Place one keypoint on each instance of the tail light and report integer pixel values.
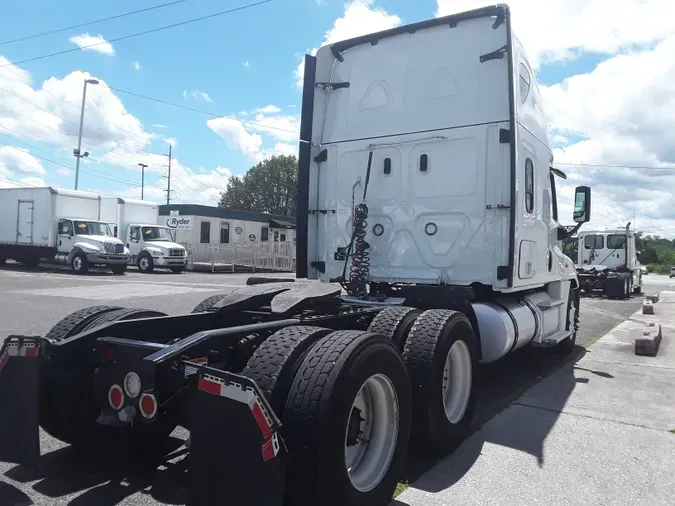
(148, 405)
(115, 397)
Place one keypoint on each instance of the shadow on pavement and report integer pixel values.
(499, 386)
(10, 495)
(65, 472)
(45, 268)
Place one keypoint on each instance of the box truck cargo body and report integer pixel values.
(150, 245)
(57, 226)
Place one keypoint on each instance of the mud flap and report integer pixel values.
(237, 453)
(19, 383)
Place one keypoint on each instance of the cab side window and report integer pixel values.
(65, 227)
(134, 234)
(529, 186)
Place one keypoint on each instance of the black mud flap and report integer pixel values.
(19, 383)
(237, 453)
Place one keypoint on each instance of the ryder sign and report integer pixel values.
(176, 222)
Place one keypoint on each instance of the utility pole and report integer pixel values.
(143, 166)
(168, 181)
(78, 152)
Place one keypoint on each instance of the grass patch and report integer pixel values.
(402, 487)
(672, 431)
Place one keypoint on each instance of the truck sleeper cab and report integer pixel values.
(425, 193)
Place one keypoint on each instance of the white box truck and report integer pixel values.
(57, 226)
(150, 245)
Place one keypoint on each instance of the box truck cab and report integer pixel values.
(150, 245)
(58, 226)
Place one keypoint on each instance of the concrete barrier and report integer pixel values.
(647, 307)
(654, 297)
(648, 341)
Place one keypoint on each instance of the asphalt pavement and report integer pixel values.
(32, 301)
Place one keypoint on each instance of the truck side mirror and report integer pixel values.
(582, 204)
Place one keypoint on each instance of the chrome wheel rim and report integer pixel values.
(372, 433)
(457, 381)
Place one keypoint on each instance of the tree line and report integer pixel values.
(268, 187)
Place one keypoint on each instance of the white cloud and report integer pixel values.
(171, 141)
(246, 64)
(22, 183)
(360, 18)
(236, 136)
(197, 94)
(159, 125)
(137, 65)
(13, 160)
(93, 43)
(268, 109)
(62, 171)
(554, 30)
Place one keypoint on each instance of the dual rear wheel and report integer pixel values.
(350, 402)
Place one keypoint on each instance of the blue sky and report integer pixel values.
(244, 65)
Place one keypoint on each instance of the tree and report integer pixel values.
(268, 187)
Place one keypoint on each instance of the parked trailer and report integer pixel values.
(607, 261)
(298, 393)
(59, 227)
(150, 245)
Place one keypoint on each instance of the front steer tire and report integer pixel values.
(119, 269)
(572, 323)
(320, 416)
(145, 263)
(79, 263)
(444, 397)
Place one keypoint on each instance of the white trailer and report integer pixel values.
(607, 260)
(59, 227)
(150, 245)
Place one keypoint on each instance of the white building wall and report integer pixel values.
(240, 231)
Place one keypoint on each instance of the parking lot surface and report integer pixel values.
(31, 302)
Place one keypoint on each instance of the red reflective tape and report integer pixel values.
(3, 360)
(268, 452)
(208, 386)
(262, 421)
(31, 351)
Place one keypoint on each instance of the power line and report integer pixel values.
(83, 142)
(637, 167)
(20, 97)
(138, 34)
(201, 111)
(118, 16)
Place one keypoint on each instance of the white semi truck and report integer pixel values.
(424, 190)
(150, 245)
(607, 260)
(57, 226)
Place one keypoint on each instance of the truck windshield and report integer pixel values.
(156, 234)
(92, 228)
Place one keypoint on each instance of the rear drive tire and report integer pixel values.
(274, 364)
(177, 270)
(79, 263)
(347, 422)
(71, 324)
(207, 304)
(119, 269)
(441, 356)
(567, 345)
(145, 263)
(395, 323)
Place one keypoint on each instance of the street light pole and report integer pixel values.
(143, 166)
(77, 152)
